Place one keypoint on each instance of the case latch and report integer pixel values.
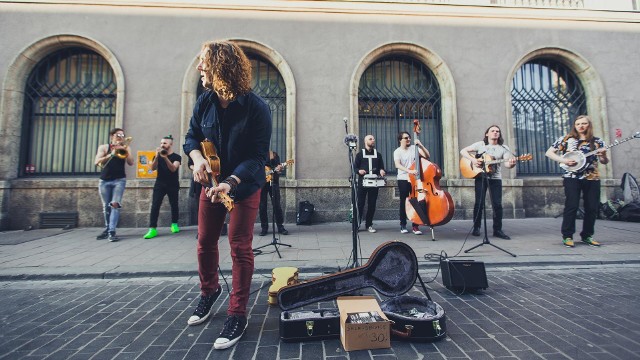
(436, 327)
(310, 328)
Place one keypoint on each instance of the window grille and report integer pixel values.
(69, 109)
(393, 92)
(267, 82)
(546, 97)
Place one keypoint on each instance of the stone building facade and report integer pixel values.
(322, 52)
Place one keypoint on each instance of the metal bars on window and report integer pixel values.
(267, 82)
(546, 97)
(393, 92)
(69, 108)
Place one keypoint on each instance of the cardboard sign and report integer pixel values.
(145, 158)
(370, 334)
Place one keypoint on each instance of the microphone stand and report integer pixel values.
(483, 205)
(355, 218)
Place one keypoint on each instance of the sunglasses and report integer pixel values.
(406, 138)
(119, 135)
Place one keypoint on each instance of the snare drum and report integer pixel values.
(372, 180)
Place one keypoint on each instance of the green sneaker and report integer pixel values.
(568, 242)
(589, 241)
(175, 228)
(151, 233)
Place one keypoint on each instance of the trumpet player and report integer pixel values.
(167, 183)
(112, 157)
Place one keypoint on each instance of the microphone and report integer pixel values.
(351, 141)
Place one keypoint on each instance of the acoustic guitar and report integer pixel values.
(581, 158)
(281, 277)
(469, 169)
(392, 270)
(269, 171)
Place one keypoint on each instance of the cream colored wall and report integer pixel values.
(475, 53)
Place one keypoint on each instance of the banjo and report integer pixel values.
(581, 158)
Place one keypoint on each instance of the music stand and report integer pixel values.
(274, 239)
(483, 205)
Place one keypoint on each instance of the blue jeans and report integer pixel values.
(111, 195)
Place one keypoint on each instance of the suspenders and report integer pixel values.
(370, 158)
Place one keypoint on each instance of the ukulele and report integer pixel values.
(471, 171)
(269, 172)
(209, 153)
(281, 277)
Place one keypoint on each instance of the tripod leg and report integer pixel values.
(433, 237)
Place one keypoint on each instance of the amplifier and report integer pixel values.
(463, 275)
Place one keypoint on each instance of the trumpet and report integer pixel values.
(119, 153)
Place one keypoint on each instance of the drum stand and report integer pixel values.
(274, 239)
(485, 240)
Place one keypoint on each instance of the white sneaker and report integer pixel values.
(371, 229)
(417, 231)
(403, 230)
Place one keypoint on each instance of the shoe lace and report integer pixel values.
(203, 305)
(230, 327)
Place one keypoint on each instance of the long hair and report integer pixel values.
(486, 137)
(574, 133)
(228, 71)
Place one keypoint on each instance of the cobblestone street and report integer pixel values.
(526, 313)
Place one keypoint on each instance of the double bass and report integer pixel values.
(427, 203)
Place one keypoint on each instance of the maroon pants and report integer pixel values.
(240, 232)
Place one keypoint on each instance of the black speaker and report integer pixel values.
(463, 275)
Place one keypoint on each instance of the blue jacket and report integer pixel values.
(241, 137)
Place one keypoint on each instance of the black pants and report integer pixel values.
(591, 195)
(159, 191)
(371, 195)
(274, 190)
(404, 188)
(495, 191)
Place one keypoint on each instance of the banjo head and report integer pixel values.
(576, 156)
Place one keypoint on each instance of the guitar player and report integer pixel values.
(493, 145)
(272, 188)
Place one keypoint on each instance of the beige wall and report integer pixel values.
(155, 48)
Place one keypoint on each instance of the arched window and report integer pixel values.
(546, 97)
(70, 106)
(267, 82)
(393, 92)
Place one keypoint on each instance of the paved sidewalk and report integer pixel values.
(51, 254)
(549, 302)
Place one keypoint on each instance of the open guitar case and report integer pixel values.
(392, 271)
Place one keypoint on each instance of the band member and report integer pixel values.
(368, 161)
(272, 188)
(493, 145)
(404, 157)
(112, 157)
(586, 181)
(238, 123)
(166, 162)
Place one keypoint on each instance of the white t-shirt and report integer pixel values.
(406, 158)
(497, 151)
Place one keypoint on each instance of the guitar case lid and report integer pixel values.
(391, 270)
